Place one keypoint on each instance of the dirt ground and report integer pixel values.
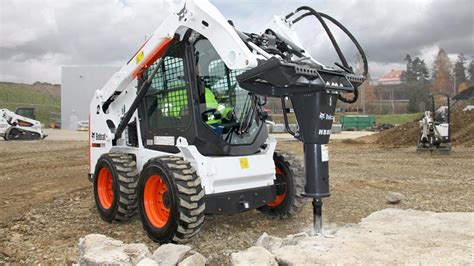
(47, 203)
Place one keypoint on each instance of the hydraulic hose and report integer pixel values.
(328, 32)
(345, 65)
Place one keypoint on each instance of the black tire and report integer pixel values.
(184, 200)
(293, 185)
(124, 174)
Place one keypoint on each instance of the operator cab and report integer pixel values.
(28, 112)
(196, 96)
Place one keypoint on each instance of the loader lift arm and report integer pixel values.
(200, 16)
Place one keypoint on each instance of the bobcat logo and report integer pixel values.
(98, 136)
(182, 12)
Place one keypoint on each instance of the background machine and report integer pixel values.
(435, 126)
(180, 130)
(15, 126)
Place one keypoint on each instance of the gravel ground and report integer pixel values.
(47, 202)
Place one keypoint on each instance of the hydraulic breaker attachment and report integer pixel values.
(313, 92)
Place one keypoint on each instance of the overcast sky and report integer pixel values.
(37, 37)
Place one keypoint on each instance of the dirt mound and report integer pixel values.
(462, 132)
(52, 89)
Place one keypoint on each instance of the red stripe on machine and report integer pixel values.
(150, 59)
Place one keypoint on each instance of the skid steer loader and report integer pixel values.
(179, 131)
(17, 127)
(435, 127)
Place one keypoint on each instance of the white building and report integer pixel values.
(78, 85)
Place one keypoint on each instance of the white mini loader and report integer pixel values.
(180, 131)
(17, 127)
(435, 127)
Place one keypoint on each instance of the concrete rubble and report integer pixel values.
(253, 256)
(96, 249)
(393, 197)
(390, 236)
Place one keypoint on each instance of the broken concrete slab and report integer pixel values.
(97, 249)
(253, 256)
(194, 260)
(390, 236)
(170, 254)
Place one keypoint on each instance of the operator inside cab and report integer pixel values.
(214, 113)
(218, 112)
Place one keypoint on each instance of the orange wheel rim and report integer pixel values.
(279, 197)
(105, 188)
(157, 201)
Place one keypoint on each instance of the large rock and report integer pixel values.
(147, 262)
(137, 252)
(304, 253)
(194, 260)
(170, 254)
(393, 197)
(253, 256)
(390, 236)
(269, 242)
(96, 249)
(291, 240)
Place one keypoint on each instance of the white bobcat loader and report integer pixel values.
(16, 127)
(179, 131)
(435, 127)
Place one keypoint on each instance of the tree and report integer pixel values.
(410, 75)
(442, 73)
(420, 71)
(470, 71)
(460, 71)
(418, 99)
(366, 90)
(416, 70)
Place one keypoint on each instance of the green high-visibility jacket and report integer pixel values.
(177, 100)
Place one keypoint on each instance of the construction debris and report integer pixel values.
(393, 197)
(253, 256)
(419, 237)
(97, 249)
(390, 236)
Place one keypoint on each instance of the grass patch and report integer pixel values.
(397, 119)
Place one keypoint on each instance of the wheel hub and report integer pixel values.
(157, 201)
(167, 200)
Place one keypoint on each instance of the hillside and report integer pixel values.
(44, 97)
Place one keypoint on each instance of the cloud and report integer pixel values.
(37, 37)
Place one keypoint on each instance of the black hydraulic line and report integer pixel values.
(285, 118)
(347, 32)
(140, 95)
(328, 31)
(344, 65)
(354, 98)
